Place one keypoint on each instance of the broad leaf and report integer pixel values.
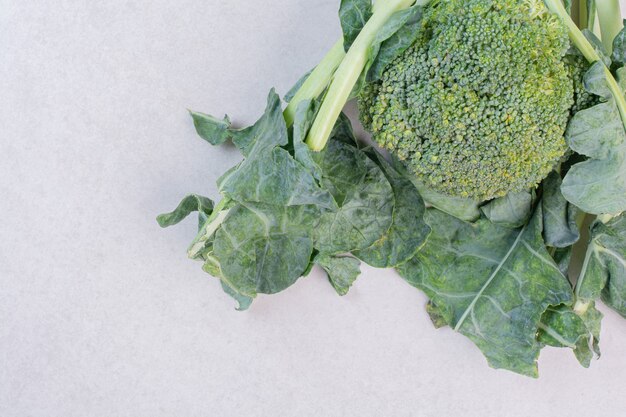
(408, 231)
(604, 268)
(342, 271)
(243, 301)
(619, 47)
(491, 283)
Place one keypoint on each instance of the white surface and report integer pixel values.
(101, 314)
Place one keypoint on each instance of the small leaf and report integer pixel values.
(189, 204)
(559, 216)
(513, 210)
(491, 283)
(210, 128)
(342, 271)
(353, 15)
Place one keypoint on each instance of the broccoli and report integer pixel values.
(478, 105)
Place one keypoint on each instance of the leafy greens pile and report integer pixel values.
(496, 161)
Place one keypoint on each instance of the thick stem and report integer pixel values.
(610, 18)
(317, 81)
(348, 73)
(583, 45)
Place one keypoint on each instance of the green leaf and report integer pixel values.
(398, 34)
(189, 204)
(604, 268)
(210, 128)
(435, 315)
(353, 15)
(408, 231)
(491, 283)
(269, 174)
(559, 216)
(305, 115)
(619, 47)
(513, 210)
(342, 271)
(562, 257)
(597, 185)
(597, 45)
(364, 196)
(561, 327)
(263, 248)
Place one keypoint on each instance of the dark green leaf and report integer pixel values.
(559, 216)
(189, 204)
(408, 231)
(562, 257)
(342, 271)
(364, 195)
(513, 210)
(491, 283)
(353, 15)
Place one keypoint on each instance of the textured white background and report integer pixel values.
(101, 314)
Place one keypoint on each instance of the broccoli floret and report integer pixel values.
(478, 105)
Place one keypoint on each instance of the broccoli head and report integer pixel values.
(478, 105)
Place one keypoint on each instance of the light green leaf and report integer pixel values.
(512, 210)
(353, 15)
(491, 283)
(408, 231)
(364, 196)
(263, 248)
(189, 204)
(604, 268)
(559, 216)
(342, 271)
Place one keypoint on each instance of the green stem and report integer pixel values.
(610, 18)
(317, 81)
(585, 47)
(348, 73)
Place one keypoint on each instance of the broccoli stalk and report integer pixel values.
(588, 51)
